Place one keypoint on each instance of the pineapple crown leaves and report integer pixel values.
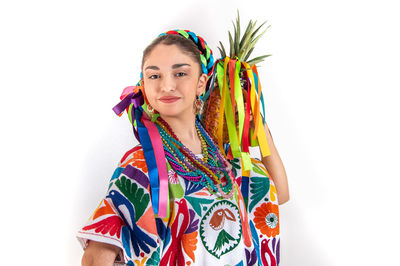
(242, 47)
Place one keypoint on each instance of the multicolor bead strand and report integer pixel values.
(212, 148)
(200, 171)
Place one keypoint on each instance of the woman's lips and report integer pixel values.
(169, 99)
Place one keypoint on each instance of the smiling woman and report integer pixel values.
(175, 199)
(172, 80)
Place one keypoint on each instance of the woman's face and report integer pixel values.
(171, 81)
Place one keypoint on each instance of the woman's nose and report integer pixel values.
(168, 84)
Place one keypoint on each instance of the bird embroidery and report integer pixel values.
(139, 239)
(218, 219)
(174, 256)
(264, 250)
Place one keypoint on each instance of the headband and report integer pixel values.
(206, 54)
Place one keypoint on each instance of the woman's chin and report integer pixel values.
(170, 115)
(175, 114)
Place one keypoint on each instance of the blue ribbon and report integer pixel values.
(143, 137)
(149, 157)
(262, 97)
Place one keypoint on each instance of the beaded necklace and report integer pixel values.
(211, 171)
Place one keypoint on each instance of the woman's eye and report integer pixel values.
(181, 74)
(154, 76)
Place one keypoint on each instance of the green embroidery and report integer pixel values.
(175, 188)
(258, 170)
(176, 191)
(223, 220)
(197, 203)
(134, 194)
(235, 166)
(223, 238)
(259, 187)
(155, 258)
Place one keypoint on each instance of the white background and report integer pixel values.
(331, 91)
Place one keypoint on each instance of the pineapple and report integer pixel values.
(240, 49)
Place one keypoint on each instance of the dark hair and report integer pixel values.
(187, 46)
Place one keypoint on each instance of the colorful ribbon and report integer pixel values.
(147, 134)
(161, 165)
(241, 136)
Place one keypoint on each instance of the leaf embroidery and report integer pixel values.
(259, 187)
(223, 238)
(189, 242)
(258, 170)
(135, 195)
(197, 203)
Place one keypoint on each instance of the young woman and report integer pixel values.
(174, 199)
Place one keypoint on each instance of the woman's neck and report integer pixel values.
(185, 130)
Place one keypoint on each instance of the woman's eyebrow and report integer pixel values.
(152, 67)
(179, 65)
(175, 66)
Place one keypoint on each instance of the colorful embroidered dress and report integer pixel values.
(202, 229)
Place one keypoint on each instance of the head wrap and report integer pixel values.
(132, 100)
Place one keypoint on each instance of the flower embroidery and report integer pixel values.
(271, 220)
(267, 219)
(173, 177)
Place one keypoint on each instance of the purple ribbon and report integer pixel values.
(136, 98)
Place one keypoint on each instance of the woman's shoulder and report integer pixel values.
(132, 165)
(134, 153)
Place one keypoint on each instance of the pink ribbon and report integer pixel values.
(161, 165)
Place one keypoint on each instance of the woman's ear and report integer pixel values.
(201, 85)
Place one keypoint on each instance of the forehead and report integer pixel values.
(167, 55)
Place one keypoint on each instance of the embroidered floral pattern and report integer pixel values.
(267, 219)
(201, 228)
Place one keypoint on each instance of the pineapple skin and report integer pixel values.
(210, 117)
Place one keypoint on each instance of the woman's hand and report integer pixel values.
(99, 254)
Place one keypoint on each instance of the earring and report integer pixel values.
(150, 110)
(152, 113)
(198, 106)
